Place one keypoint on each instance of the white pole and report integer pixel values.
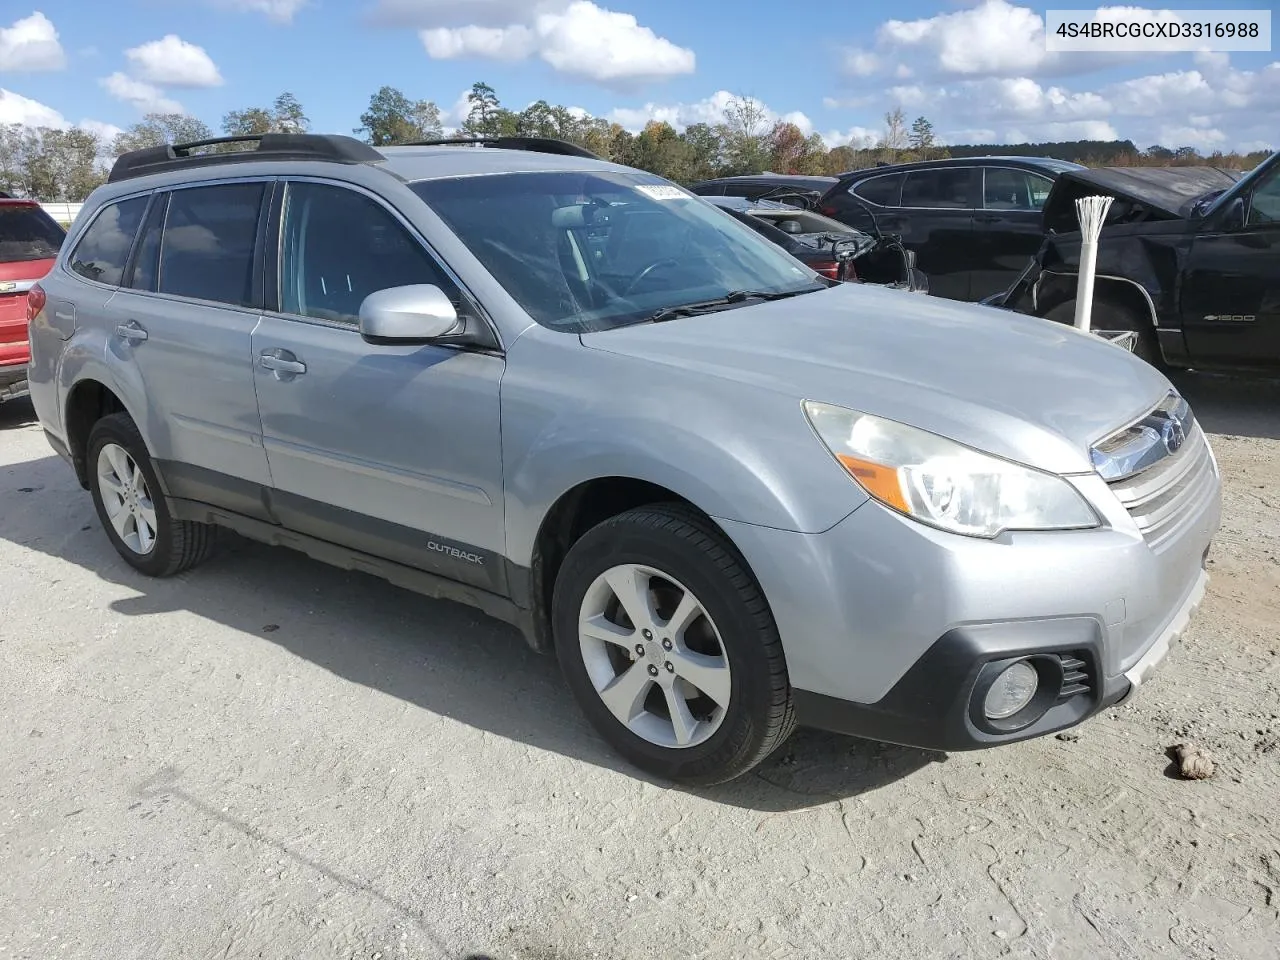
(1091, 211)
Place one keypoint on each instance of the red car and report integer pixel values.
(29, 243)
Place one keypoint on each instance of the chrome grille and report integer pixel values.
(1170, 490)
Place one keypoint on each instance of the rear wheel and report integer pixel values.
(669, 647)
(126, 494)
(1109, 317)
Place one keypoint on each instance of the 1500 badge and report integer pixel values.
(1232, 317)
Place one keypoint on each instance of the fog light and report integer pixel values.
(1012, 691)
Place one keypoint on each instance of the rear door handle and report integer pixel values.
(131, 331)
(282, 362)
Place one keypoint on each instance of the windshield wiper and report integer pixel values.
(733, 298)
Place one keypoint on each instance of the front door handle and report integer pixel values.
(282, 363)
(131, 331)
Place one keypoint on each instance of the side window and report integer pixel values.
(146, 261)
(1007, 189)
(1265, 205)
(339, 246)
(938, 188)
(207, 248)
(102, 251)
(883, 191)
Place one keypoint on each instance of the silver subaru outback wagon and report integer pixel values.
(731, 496)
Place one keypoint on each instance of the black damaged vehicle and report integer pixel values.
(1189, 260)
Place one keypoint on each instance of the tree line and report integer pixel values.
(55, 164)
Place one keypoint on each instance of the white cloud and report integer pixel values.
(453, 13)
(709, 110)
(146, 97)
(282, 11)
(854, 136)
(994, 37)
(580, 39)
(173, 61)
(15, 108)
(488, 43)
(860, 63)
(1178, 108)
(31, 44)
(981, 73)
(107, 132)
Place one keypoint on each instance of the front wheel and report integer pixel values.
(670, 648)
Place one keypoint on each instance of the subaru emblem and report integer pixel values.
(1173, 433)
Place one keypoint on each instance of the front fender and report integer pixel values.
(736, 453)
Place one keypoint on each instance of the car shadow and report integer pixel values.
(1231, 405)
(17, 412)
(440, 656)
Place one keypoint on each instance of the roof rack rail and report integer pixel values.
(534, 144)
(270, 146)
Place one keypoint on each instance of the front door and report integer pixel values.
(1230, 289)
(390, 450)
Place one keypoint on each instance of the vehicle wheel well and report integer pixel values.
(576, 512)
(88, 403)
(1118, 292)
(1127, 296)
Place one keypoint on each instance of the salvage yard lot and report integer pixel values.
(270, 757)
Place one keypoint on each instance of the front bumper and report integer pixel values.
(932, 706)
(887, 623)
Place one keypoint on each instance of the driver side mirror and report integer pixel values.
(418, 313)
(1232, 216)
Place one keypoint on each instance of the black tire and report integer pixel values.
(179, 544)
(1114, 317)
(684, 545)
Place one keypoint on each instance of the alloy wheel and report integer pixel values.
(127, 499)
(654, 656)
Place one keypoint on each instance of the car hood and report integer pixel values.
(1023, 388)
(1166, 192)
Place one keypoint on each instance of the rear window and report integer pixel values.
(949, 188)
(206, 252)
(28, 233)
(101, 253)
(885, 191)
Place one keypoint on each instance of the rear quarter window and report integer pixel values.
(884, 191)
(102, 251)
(28, 233)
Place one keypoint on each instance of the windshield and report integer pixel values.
(28, 233)
(587, 250)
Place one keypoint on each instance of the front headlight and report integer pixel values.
(943, 483)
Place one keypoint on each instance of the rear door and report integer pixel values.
(388, 449)
(184, 315)
(1007, 229)
(1230, 288)
(935, 220)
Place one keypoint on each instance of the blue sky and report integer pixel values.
(976, 68)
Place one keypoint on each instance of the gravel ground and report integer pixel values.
(270, 758)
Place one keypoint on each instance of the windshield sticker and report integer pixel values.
(662, 191)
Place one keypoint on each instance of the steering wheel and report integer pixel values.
(650, 268)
